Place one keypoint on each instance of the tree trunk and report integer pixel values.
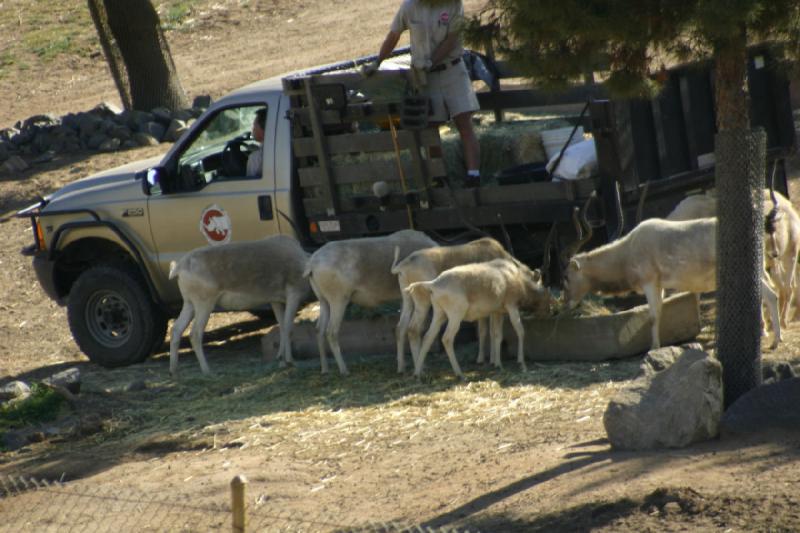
(138, 39)
(740, 155)
(111, 51)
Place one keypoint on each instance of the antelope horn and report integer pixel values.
(584, 219)
(548, 242)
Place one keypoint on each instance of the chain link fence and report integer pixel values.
(28, 504)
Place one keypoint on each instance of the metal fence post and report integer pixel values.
(238, 486)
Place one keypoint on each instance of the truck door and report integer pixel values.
(206, 196)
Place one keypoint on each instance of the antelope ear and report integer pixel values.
(537, 275)
(574, 263)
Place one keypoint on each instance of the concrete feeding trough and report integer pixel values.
(359, 337)
(588, 338)
(602, 337)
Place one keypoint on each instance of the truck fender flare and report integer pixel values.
(136, 254)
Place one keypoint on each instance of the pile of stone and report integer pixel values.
(105, 128)
(68, 385)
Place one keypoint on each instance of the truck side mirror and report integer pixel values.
(150, 178)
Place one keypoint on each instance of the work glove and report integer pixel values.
(368, 69)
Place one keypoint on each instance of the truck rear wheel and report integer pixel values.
(112, 317)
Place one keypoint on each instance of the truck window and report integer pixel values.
(222, 150)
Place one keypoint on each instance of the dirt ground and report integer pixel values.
(505, 451)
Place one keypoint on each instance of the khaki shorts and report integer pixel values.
(451, 93)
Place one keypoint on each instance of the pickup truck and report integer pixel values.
(103, 244)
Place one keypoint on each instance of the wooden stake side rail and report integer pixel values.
(367, 142)
(370, 171)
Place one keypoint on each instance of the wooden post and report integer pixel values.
(238, 486)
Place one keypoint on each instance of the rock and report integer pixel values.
(45, 157)
(13, 440)
(42, 121)
(772, 371)
(106, 109)
(183, 114)
(110, 145)
(123, 133)
(144, 139)
(765, 408)
(201, 102)
(88, 124)
(155, 130)
(13, 390)
(162, 115)
(662, 358)
(669, 409)
(95, 141)
(70, 120)
(138, 119)
(15, 164)
(5, 153)
(7, 133)
(175, 130)
(70, 379)
(24, 136)
(136, 386)
(36, 436)
(90, 424)
(107, 125)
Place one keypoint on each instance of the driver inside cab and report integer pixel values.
(256, 158)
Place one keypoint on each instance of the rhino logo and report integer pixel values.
(215, 225)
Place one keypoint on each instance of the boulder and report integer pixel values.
(673, 408)
(162, 115)
(766, 408)
(175, 130)
(88, 124)
(201, 102)
(5, 153)
(94, 142)
(144, 139)
(13, 390)
(183, 114)
(772, 371)
(123, 133)
(662, 358)
(15, 164)
(48, 155)
(110, 145)
(138, 119)
(69, 379)
(106, 109)
(155, 130)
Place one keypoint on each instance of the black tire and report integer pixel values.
(112, 318)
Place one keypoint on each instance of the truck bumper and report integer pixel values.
(45, 273)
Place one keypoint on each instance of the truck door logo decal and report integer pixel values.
(215, 225)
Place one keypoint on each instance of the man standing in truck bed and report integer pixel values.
(436, 53)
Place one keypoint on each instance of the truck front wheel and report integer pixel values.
(112, 317)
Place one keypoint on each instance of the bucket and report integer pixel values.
(554, 140)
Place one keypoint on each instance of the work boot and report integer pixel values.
(470, 182)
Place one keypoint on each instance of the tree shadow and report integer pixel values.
(13, 200)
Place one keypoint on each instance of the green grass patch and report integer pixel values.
(42, 405)
(175, 13)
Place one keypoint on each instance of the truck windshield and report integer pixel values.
(228, 124)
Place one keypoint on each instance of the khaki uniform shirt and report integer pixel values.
(429, 26)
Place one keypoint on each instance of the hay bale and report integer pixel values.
(503, 145)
